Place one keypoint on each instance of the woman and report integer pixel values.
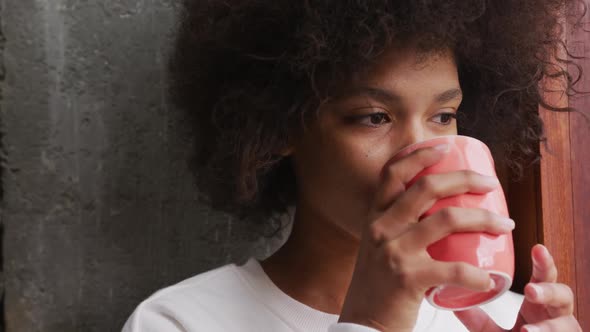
(303, 104)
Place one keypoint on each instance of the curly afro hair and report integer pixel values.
(250, 73)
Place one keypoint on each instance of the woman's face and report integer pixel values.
(340, 158)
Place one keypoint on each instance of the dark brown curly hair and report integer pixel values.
(251, 73)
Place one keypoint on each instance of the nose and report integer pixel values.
(414, 131)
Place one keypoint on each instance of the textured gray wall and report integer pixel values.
(99, 209)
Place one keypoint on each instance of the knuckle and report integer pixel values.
(449, 218)
(445, 214)
(488, 214)
(392, 253)
(419, 156)
(427, 184)
(489, 218)
(397, 186)
(422, 153)
(399, 267)
(393, 174)
(421, 183)
(459, 272)
(470, 176)
(376, 232)
(472, 179)
(404, 276)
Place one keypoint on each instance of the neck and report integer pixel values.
(316, 263)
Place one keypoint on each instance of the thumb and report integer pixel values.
(476, 320)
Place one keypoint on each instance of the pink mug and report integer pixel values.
(494, 253)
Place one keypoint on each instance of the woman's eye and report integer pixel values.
(375, 119)
(445, 118)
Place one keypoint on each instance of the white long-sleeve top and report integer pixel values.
(243, 298)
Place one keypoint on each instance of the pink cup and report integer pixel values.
(494, 253)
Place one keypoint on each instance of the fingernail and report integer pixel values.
(546, 252)
(507, 223)
(546, 255)
(536, 262)
(538, 290)
(491, 181)
(531, 328)
(442, 147)
(492, 284)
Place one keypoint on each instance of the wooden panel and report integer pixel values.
(556, 227)
(580, 136)
(551, 204)
(579, 44)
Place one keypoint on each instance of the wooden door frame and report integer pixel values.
(564, 175)
(551, 203)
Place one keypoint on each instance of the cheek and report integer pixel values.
(361, 160)
(338, 178)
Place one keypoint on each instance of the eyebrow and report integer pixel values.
(389, 97)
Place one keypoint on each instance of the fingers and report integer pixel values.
(419, 271)
(461, 274)
(547, 303)
(422, 196)
(559, 324)
(458, 274)
(544, 269)
(558, 298)
(452, 220)
(399, 173)
(426, 191)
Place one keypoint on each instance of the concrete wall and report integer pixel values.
(99, 209)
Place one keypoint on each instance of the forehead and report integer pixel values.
(406, 68)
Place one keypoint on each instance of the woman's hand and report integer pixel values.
(393, 268)
(548, 306)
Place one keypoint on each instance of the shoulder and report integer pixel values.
(185, 305)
